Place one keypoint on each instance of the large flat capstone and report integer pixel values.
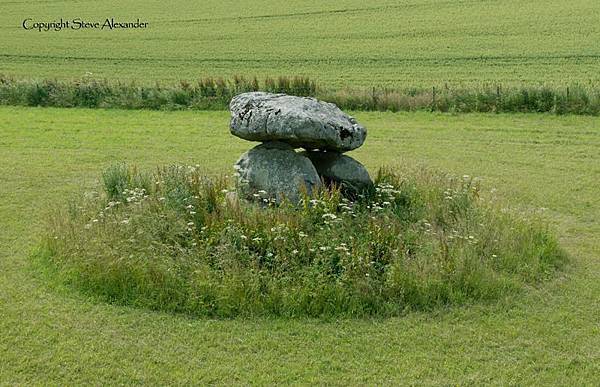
(298, 121)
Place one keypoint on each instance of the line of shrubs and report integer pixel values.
(572, 99)
(215, 94)
(205, 94)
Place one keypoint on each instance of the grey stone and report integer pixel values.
(298, 121)
(277, 169)
(341, 169)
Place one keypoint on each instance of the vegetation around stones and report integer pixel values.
(173, 241)
(215, 94)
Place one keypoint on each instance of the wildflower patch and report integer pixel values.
(174, 240)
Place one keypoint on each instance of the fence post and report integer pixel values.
(433, 99)
(498, 99)
(374, 98)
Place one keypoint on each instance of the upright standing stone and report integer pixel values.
(341, 169)
(278, 170)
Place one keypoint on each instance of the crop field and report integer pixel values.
(344, 43)
(548, 334)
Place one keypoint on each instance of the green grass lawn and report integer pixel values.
(349, 42)
(547, 335)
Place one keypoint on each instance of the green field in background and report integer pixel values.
(548, 335)
(349, 42)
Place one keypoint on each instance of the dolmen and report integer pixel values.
(283, 123)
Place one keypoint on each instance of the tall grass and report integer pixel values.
(569, 99)
(204, 94)
(178, 241)
(215, 94)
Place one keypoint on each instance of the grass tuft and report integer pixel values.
(178, 241)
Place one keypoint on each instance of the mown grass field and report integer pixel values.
(547, 335)
(410, 43)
